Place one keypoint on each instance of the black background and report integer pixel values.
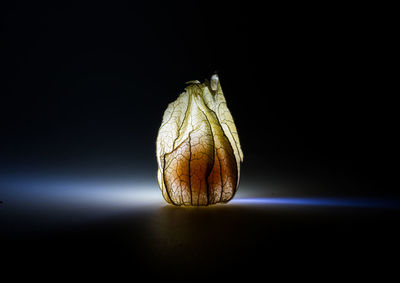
(89, 84)
(84, 87)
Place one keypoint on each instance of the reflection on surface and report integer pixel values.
(199, 236)
(347, 202)
(246, 235)
(54, 201)
(127, 225)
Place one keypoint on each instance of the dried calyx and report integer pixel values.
(198, 149)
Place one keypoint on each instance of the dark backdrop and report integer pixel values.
(85, 86)
(83, 90)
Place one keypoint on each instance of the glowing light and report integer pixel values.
(198, 149)
(343, 202)
(103, 197)
(60, 192)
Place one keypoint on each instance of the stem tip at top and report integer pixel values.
(214, 82)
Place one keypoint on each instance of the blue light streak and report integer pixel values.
(331, 202)
(100, 194)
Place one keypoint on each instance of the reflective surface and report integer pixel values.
(125, 226)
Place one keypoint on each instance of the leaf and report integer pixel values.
(198, 148)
